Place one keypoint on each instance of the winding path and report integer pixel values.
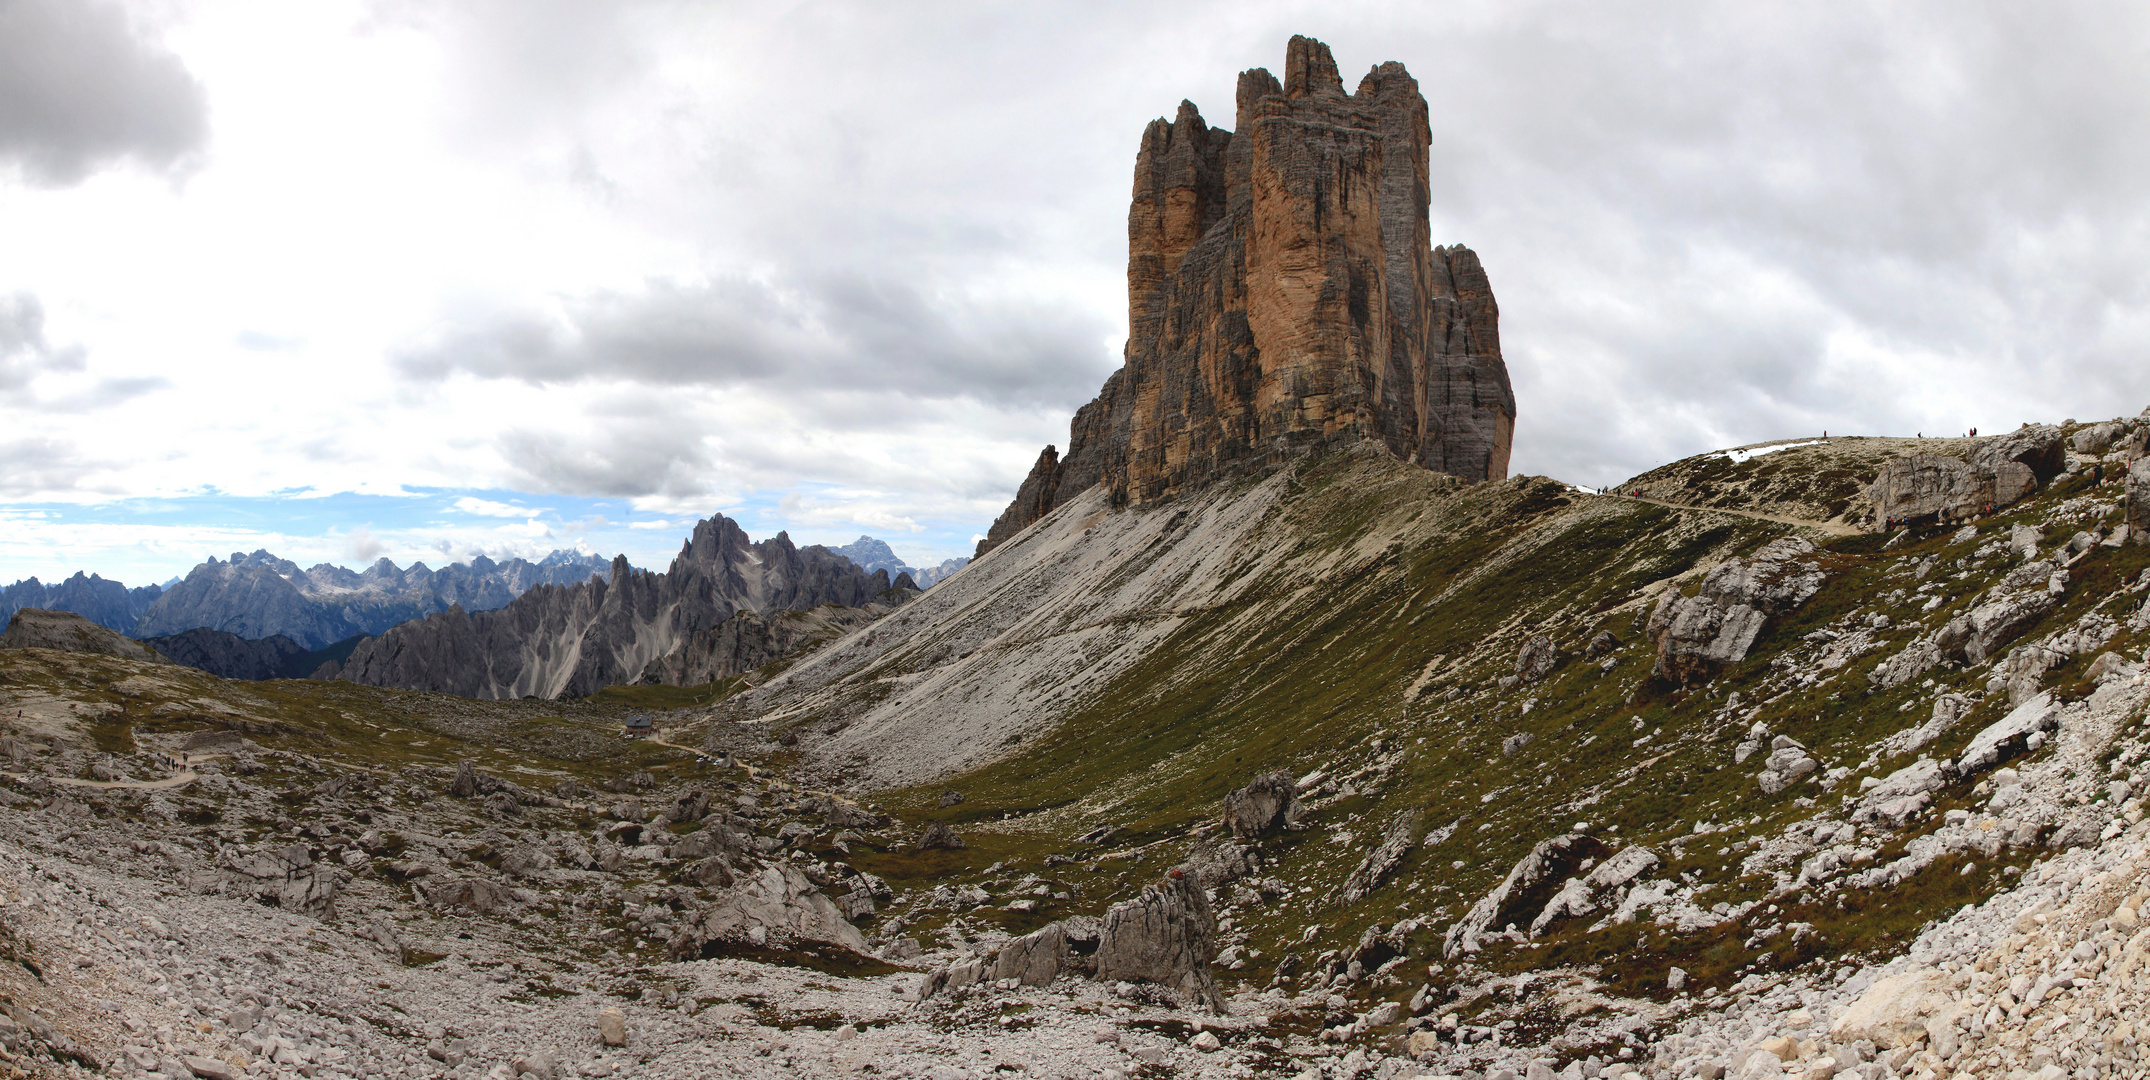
(179, 779)
(1831, 528)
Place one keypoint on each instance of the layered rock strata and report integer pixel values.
(578, 639)
(1284, 296)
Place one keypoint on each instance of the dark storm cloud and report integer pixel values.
(840, 333)
(652, 455)
(79, 89)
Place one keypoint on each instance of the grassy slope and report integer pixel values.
(1467, 576)
(384, 728)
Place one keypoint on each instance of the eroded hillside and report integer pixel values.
(1546, 779)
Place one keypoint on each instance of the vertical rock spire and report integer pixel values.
(1284, 297)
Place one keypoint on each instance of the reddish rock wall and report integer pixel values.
(1284, 297)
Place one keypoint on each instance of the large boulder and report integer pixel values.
(1267, 803)
(1033, 959)
(2037, 447)
(1902, 794)
(1168, 936)
(1893, 1012)
(713, 838)
(1396, 842)
(1979, 635)
(465, 784)
(1586, 894)
(527, 860)
(287, 876)
(1696, 635)
(1537, 658)
(2094, 438)
(2009, 735)
(1527, 889)
(1933, 487)
(1997, 472)
(776, 907)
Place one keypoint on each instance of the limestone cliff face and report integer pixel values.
(1283, 297)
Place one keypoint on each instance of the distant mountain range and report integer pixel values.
(259, 596)
(107, 603)
(872, 555)
(265, 617)
(635, 626)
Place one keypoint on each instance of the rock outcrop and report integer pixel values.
(1998, 472)
(36, 628)
(1167, 936)
(1284, 296)
(2139, 501)
(1698, 634)
(1531, 884)
(773, 907)
(287, 876)
(748, 640)
(1268, 803)
(639, 626)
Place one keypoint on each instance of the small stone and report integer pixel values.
(1676, 979)
(1207, 1041)
(939, 836)
(612, 1027)
(209, 1068)
(540, 1065)
(846, 1033)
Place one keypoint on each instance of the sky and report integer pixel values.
(356, 279)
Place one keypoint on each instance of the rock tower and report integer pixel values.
(1284, 296)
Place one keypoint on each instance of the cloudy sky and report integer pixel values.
(423, 279)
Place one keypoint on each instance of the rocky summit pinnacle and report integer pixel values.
(1284, 296)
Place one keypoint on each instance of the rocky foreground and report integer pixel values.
(276, 914)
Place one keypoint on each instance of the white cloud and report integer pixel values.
(488, 508)
(692, 257)
(362, 546)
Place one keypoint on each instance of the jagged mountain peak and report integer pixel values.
(639, 624)
(1284, 299)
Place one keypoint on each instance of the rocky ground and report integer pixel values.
(1789, 804)
(153, 938)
